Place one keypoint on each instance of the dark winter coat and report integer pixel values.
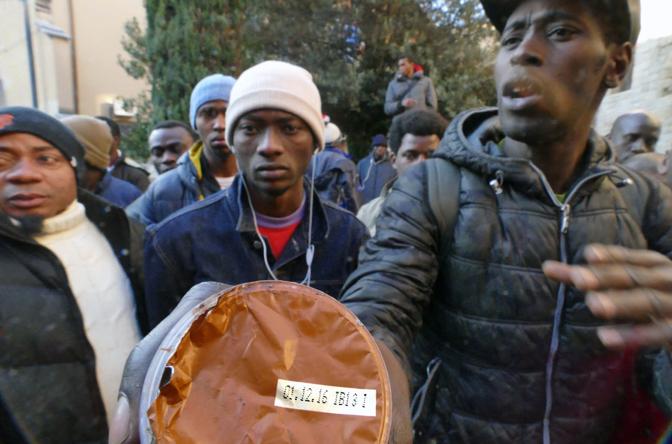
(189, 182)
(48, 387)
(482, 304)
(117, 191)
(335, 178)
(215, 240)
(131, 172)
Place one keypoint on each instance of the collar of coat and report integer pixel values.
(471, 142)
(321, 226)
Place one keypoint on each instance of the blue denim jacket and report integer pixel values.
(215, 240)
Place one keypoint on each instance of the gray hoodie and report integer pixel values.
(418, 87)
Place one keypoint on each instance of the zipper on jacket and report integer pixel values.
(565, 219)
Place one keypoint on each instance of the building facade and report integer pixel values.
(61, 56)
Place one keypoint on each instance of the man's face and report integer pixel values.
(273, 149)
(166, 145)
(634, 134)
(211, 125)
(550, 70)
(379, 152)
(35, 178)
(405, 67)
(414, 149)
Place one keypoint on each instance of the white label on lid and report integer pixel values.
(325, 398)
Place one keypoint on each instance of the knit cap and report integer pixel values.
(212, 87)
(19, 119)
(276, 85)
(95, 136)
(377, 140)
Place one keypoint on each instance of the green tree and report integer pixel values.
(351, 48)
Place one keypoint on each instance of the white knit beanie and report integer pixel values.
(276, 85)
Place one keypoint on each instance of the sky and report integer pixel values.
(655, 19)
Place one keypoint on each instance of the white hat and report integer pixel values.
(276, 85)
(332, 133)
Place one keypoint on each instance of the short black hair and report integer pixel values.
(407, 56)
(114, 126)
(419, 122)
(166, 124)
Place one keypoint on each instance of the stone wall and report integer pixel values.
(651, 90)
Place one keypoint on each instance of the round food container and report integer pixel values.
(267, 362)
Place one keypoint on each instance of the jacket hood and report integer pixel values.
(472, 142)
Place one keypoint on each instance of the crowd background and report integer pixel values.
(351, 48)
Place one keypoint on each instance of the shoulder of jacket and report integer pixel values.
(184, 217)
(340, 213)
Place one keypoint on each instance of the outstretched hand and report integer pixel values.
(632, 286)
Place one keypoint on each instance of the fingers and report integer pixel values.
(580, 277)
(600, 254)
(610, 276)
(120, 426)
(657, 334)
(636, 305)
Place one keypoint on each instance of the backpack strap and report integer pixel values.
(443, 189)
(411, 84)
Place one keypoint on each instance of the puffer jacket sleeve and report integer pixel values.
(398, 267)
(142, 208)
(657, 228)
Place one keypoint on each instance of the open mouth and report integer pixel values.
(520, 94)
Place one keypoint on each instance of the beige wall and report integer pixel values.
(651, 90)
(91, 30)
(14, 62)
(98, 30)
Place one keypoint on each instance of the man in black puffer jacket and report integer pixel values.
(493, 285)
(70, 282)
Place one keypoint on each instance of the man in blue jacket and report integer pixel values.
(209, 165)
(269, 224)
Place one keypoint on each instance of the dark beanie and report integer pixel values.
(18, 119)
(378, 139)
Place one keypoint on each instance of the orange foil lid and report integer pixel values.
(271, 362)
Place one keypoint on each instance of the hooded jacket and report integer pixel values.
(215, 240)
(520, 357)
(419, 87)
(335, 178)
(189, 182)
(48, 387)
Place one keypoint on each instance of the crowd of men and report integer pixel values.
(514, 266)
